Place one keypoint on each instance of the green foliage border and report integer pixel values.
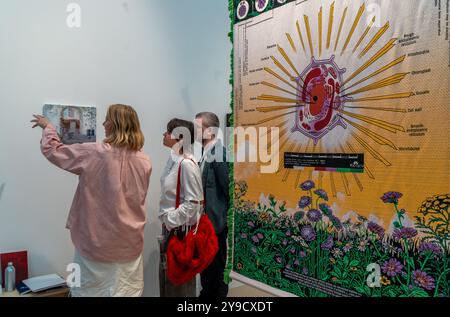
(229, 265)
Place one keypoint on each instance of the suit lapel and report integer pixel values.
(207, 167)
(205, 171)
(205, 175)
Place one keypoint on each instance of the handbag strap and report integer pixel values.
(178, 198)
(178, 195)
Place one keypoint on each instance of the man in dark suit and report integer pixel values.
(215, 176)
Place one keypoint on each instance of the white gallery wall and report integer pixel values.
(166, 58)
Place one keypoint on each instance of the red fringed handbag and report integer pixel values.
(191, 254)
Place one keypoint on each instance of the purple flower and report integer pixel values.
(326, 210)
(279, 260)
(404, 233)
(296, 262)
(288, 233)
(288, 266)
(392, 267)
(292, 250)
(260, 236)
(391, 197)
(308, 185)
(322, 194)
(302, 254)
(255, 239)
(314, 215)
(243, 236)
(253, 250)
(305, 271)
(423, 280)
(328, 243)
(376, 228)
(431, 247)
(304, 202)
(308, 233)
(284, 242)
(251, 224)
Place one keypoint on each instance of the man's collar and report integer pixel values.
(210, 146)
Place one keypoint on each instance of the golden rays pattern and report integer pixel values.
(345, 37)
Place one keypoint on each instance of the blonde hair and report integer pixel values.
(126, 129)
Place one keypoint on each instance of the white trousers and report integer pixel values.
(109, 279)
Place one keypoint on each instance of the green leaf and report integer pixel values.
(364, 290)
(416, 292)
(345, 261)
(410, 262)
(334, 274)
(337, 271)
(397, 225)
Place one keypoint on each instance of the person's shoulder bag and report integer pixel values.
(190, 253)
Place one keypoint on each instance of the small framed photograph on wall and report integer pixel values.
(74, 124)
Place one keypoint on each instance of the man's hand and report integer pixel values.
(40, 121)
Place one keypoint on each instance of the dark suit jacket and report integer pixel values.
(216, 185)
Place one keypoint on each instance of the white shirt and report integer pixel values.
(191, 190)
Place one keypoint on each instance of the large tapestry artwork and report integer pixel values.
(352, 99)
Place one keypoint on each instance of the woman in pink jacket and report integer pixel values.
(108, 212)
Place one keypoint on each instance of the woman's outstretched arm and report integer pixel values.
(71, 158)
